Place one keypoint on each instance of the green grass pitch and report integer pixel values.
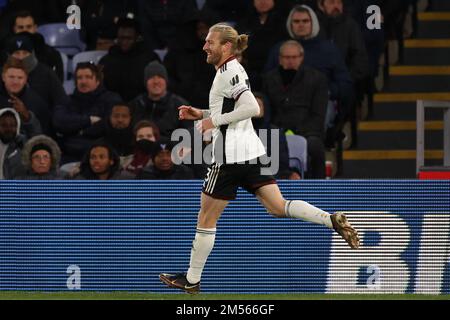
(120, 295)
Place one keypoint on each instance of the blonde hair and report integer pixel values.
(239, 42)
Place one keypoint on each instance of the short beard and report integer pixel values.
(214, 60)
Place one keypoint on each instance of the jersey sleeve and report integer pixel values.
(234, 84)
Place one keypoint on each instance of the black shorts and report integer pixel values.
(223, 180)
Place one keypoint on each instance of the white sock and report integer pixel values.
(201, 248)
(303, 210)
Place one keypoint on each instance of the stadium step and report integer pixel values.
(386, 147)
(426, 52)
(373, 135)
(398, 111)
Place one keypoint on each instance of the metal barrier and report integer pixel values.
(420, 127)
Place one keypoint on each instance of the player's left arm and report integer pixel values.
(246, 107)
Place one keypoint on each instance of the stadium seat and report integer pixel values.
(298, 153)
(65, 61)
(69, 86)
(88, 56)
(57, 35)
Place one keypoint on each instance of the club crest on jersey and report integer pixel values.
(234, 80)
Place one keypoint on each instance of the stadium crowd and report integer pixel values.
(310, 63)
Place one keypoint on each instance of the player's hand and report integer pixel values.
(204, 125)
(189, 113)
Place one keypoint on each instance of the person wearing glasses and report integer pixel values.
(40, 158)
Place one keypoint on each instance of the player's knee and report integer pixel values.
(277, 210)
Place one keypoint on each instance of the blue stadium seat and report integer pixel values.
(93, 56)
(65, 61)
(57, 35)
(298, 153)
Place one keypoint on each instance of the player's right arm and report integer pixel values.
(191, 113)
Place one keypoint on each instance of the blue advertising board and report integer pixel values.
(119, 235)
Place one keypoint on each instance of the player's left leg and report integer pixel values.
(274, 202)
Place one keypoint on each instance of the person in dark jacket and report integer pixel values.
(40, 158)
(265, 27)
(189, 75)
(262, 122)
(79, 121)
(40, 77)
(343, 30)
(100, 162)
(123, 66)
(118, 131)
(16, 94)
(303, 26)
(159, 20)
(346, 34)
(298, 95)
(24, 22)
(163, 167)
(157, 103)
(12, 142)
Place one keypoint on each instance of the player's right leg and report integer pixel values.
(203, 243)
(272, 199)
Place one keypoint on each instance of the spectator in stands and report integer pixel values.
(119, 131)
(265, 25)
(40, 77)
(159, 20)
(14, 93)
(12, 142)
(190, 76)
(103, 15)
(194, 150)
(163, 167)
(323, 55)
(125, 62)
(79, 120)
(106, 37)
(298, 95)
(158, 104)
(228, 10)
(100, 162)
(346, 34)
(24, 22)
(303, 26)
(146, 134)
(40, 158)
(262, 122)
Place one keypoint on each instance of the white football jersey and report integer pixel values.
(237, 141)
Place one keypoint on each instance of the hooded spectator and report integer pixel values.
(11, 144)
(125, 62)
(40, 158)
